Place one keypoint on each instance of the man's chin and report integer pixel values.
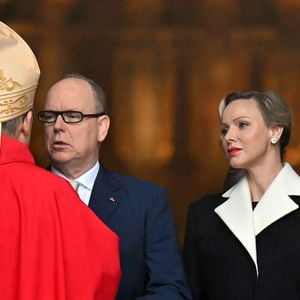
(60, 159)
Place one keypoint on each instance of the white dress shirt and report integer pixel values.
(86, 182)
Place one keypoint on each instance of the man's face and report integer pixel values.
(74, 147)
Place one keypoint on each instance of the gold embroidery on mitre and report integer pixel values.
(13, 106)
(7, 84)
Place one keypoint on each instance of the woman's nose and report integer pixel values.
(230, 136)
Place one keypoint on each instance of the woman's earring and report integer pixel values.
(273, 141)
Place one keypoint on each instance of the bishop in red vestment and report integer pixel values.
(52, 246)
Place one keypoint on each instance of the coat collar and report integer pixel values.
(245, 224)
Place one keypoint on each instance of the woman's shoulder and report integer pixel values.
(201, 212)
(210, 201)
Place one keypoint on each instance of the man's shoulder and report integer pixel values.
(135, 189)
(132, 181)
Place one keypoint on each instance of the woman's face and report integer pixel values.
(246, 137)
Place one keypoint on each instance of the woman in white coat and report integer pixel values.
(244, 244)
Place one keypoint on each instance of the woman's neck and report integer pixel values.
(260, 179)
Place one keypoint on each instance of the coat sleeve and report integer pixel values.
(163, 258)
(190, 255)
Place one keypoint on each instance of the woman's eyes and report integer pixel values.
(243, 124)
(224, 131)
(240, 125)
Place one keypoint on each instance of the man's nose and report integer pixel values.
(59, 123)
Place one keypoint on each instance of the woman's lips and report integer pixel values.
(233, 150)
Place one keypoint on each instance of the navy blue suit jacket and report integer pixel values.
(140, 213)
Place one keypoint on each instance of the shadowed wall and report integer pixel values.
(164, 66)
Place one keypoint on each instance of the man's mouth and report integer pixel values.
(58, 145)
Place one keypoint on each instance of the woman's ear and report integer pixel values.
(276, 133)
(103, 127)
(24, 132)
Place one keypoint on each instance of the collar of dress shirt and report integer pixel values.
(87, 179)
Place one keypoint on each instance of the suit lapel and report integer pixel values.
(276, 203)
(237, 214)
(106, 195)
(245, 224)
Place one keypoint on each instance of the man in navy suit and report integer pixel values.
(138, 211)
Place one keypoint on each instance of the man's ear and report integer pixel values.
(24, 132)
(103, 127)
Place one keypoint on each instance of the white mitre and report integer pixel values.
(19, 75)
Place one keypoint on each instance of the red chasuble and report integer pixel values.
(52, 246)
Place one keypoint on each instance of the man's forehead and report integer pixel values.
(71, 86)
(70, 90)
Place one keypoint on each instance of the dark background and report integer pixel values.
(165, 65)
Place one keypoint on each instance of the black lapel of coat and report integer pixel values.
(106, 195)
